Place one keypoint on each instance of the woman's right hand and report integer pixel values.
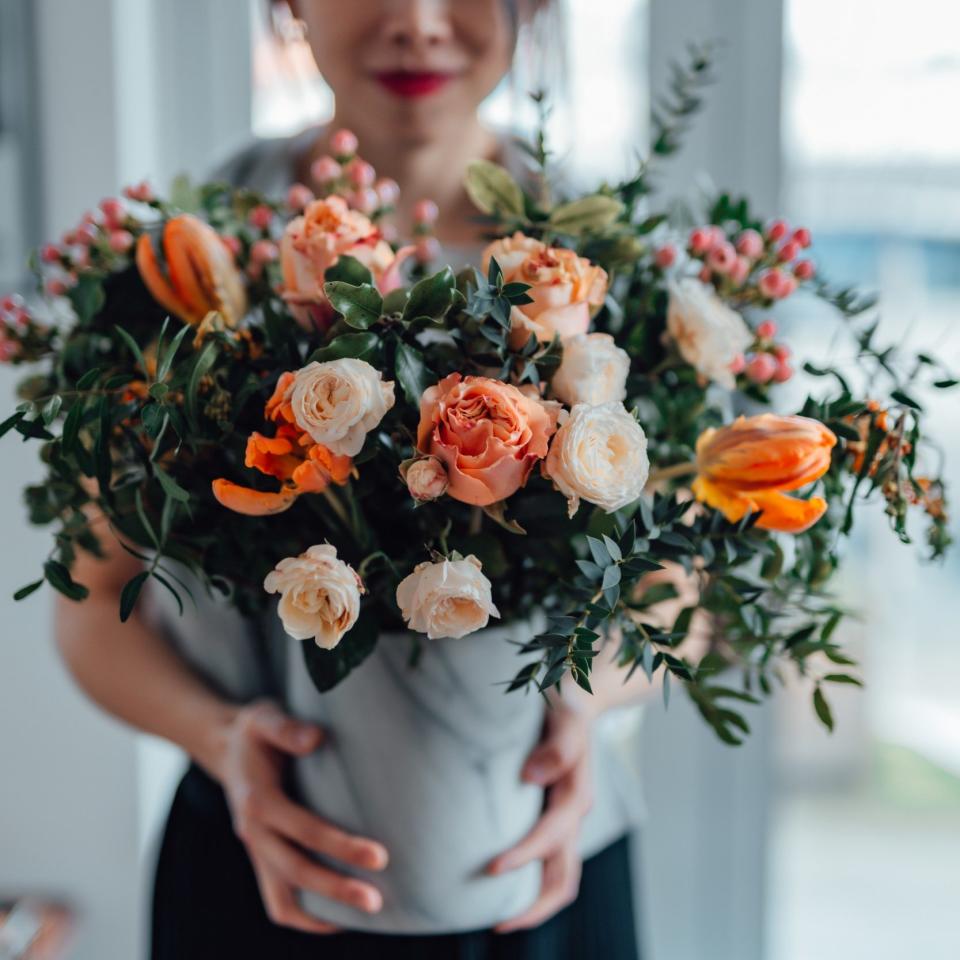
(276, 831)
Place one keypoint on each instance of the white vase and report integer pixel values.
(426, 760)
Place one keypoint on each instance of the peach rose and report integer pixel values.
(487, 434)
(425, 477)
(313, 242)
(564, 287)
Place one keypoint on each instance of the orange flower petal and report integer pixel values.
(788, 514)
(253, 503)
(156, 281)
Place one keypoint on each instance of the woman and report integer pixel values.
(408, 76)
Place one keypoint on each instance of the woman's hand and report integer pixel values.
(276, 831)
(561, 763)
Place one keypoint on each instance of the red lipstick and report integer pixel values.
(413, 83)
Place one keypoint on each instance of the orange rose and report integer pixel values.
(313, 243)
(199, 275)
(564, 287)
(487, 433)
(300, 465)
(750, 464)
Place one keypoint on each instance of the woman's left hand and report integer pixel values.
(561, 764)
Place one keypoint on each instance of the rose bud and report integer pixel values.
(771, 284)
(802, 236)
(360, 173)
(789, 251)
(426, 478)
(701, 240)
(426, 211)
(761, 368)
(722, 257)
(783, 372)
(387, 190)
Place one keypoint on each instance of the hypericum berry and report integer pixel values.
(121, 241)
(804, 270)
(761, 368)
(722, 257)
(365, 200)
(783, 372)
(802, 236)
(789, 251)
(738, 364)
(700, 241)
(740, 271)
(298, 196)
(666, 256)
(781, 351)
(325, 169)
(428, 248)
(114, 213)
(50, 253)
(771, 284)
(85, 234)
(766, 330)
(750, 244)
(264, 251)
(425, 211)
(261, 216)
(777, 230)
(233, 245)
(705, 274)
(360, 173)
(789, 286)
(388, 191)
(55, 287)
(344, 143)
(142, 192)
(11, 302)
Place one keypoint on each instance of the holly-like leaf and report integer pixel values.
(350, 270)
(360, 305)
(586, 215)
(431, 297)
(412, 373)
(362, 346)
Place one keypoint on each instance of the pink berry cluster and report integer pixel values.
(102, 237)
(348, 175)
(21, 337)
(767, 361)
(756, 267)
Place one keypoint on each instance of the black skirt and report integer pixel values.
(206, 905)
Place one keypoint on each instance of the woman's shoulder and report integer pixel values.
(266, 164)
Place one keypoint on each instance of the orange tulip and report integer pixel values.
(198, 274)
(291, 456)
(749, 465)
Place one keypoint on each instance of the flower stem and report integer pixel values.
(672, 472)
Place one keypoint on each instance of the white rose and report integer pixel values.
(339, 402)
(319, 595)
(707, 332)
(593, 370)
(447, 599)
(599, 454)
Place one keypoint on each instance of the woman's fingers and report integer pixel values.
(269, 723)
(281, 904)
(310, 831)
(559, 888)
(563, 744)
(302, 873)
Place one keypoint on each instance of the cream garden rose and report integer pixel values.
(709, 335)
(425, 477)
(449, 599)
(338, 402)
(593, 370)
(599, 455)
(319, 595)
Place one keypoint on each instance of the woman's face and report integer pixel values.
(409, 69)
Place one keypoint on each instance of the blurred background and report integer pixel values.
(840, 115)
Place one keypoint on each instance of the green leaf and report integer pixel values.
(185, 195)
(25, 592)
(493, 190)
(843, 678)
(360, 306)
(598, 551)
(171, 488)
(130, 593)
(58, 576)
(205, 360)
(133, 346)
(586, 215)
(87, 297)
(822, 709)
(89, 378)
(350, 270)
(71, 427)
(363, 346)
(11, 422)
(431, 297)
(412, 373)
(905, 399)
(328, 667)
(164, 366)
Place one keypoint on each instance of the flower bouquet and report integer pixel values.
(277, 396)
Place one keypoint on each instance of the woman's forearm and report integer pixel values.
(134, 674)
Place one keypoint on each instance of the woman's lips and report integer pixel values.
(413, 83)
